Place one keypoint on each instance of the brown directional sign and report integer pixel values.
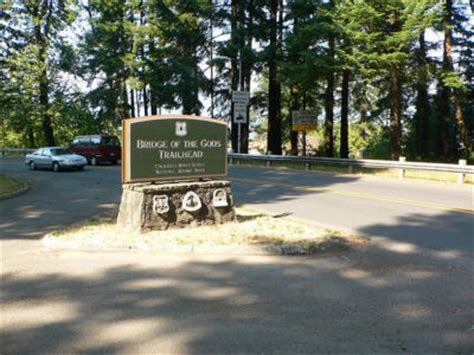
(171, 147)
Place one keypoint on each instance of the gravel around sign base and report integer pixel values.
(253, 233)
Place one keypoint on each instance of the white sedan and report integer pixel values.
(55, 158)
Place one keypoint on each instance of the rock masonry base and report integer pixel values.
(159, 206)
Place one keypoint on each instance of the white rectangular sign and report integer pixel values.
(240, 113)
(240, 96)
(240, 106)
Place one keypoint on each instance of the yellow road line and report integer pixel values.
(363, 195)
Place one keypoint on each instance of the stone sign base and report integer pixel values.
(159, 206)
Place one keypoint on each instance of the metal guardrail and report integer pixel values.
(402, 165)
(16, 150)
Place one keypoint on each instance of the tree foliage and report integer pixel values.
(403, 68)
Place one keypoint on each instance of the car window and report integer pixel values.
(37, 152)
(60, 151)
(45, 152)
(110, 141)
(95, 140)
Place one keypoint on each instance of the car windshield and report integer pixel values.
(61, 151)
(110, 141)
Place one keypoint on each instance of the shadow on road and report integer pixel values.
(448, 232)
(56, 200)
(383, 300)
(253, 305)
(251, 193)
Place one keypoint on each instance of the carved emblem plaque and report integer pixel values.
(160, 204)
(181, 129)
(219, 198)
(191, 202)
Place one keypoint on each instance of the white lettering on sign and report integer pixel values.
(190, 144)
(141, 144)
(204, 143)
(210, 144)
(188, 154)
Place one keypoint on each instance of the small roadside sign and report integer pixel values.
(240, 112)
(240, 96)
(304, 120)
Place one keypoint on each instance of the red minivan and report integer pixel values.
(97, 148)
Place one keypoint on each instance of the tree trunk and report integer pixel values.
(44, 104)
(123, 107)
(294, 106)
(145, 102)
(422, 103)
(395, 113)
(448, 50)
(344, 148)
(234, 72)
(43, 79)
(274, 86)
(142, 55)
(246, 73)
(31, 137)
(132, 103)
(329, 105)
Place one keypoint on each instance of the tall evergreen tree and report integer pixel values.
(274, 140)
(33, 40)
(329, 95)
(106, 47)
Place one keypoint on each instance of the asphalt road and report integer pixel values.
(410, 290)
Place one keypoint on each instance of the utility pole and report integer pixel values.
(241, 88)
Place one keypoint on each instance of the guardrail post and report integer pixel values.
(231, 161)
(401, 172)
(269, 163)
(350, 168)
(306, 166)
(460, 178)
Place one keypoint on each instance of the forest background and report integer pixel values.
(389, 77)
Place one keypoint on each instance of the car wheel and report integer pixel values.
(55, 167)
(32, 165)
(94, 161)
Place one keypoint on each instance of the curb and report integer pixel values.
(18, 192)
(50, 242)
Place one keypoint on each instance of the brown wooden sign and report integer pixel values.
(172, 147)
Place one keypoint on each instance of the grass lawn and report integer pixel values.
(260, 232)
(8, 185)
